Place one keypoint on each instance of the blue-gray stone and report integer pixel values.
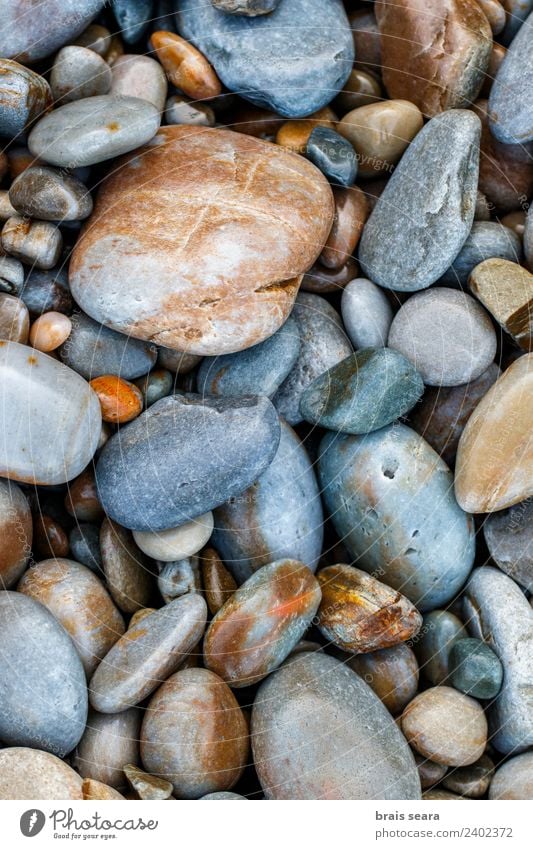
(184, 456)
(433, 643)
(486, 240)
(366, 391)
(293, 61)
(84, 541)
(391, 500)
(31, 31)
(426, 211)
(155, 385)
(258, 370)
(511, 95)
(333, 155)
(45, 291)
(93, 350)
(279, 516)
(509, 537)
(517, 12)
(475, 669)
(43, 690)
(133, 17)
(246, 7)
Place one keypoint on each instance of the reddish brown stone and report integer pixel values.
(185, 67)
(219, 585)
(49, 538)
(15, 533)
(82, 500)
(321, 280)
(351, 212)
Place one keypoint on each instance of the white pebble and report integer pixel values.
(176, 543)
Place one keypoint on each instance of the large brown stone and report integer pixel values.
(33, 774)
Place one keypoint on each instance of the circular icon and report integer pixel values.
(32, 822)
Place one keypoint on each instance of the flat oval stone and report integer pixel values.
(177, 543)
(25, 95)
(364, 392)
(261, 622)
(41, 669)
(471, 781)
(319, 732)
(506, 290)
(27, 773)
(14, 319)
(109, 741)
(140, 76)
(513, 780)
(78, 72)
(293, 60)
(279, 516)
(475, 669)
(217, 582)
(495, 455)
(390, 498)
(446, 335)
(511, 96)
(392, 673)
(44, 290)
(147, 654)
(44, 193)
(244, 434)
(441, 629)
(333, 155)
(93, 130)
(509, 538)
(426, 211)
(487, 239)
(366, 313)
(497, 612)
(16, 533)
(54, 422)
(187, 276)
(32, 32)
(380, 132)
(125, 568)
(194, 734)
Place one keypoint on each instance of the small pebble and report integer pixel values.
(155, 385)
(506, 290)
(470, 781)
(475, 669)
(125, 567)
(95, 37)
(351, 211)
(509, 539)
(333, 155)
(179, 110)
(440, 630)
(49, 538)
(77, 73)
(81, 500)
(49, 331)
(391, 672)
(179, 577)
(41, 192)
(366, 313)
(360, 89)
(513, 780)
(218, 583)
(322, 280)
(47, 291)
(132, 18)
(85, 546)
(294, 135)
(486, 240)
(36, 243)
(94, 350)
(176, 543)
(380, 133)
(139, 76)
(14, 319)
(25, 96)
(11, 275)
(185, 67)
(120, 400)
(147, 786)
(430, 772)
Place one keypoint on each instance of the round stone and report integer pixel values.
(33, 32)
(366, 313)
(333, 155)
(440, 630)
(25, 95)
(380, 133)
(120, 400)
(109, 741)
(139, 76)
(45, 193)
(16, 533)
(359, 89)
(179, 577)
(509, 538)
(77, 73)
(392, 673)
(125, 567)
(49, 331)
(176, 543)
(514, 779)
(27, 773)
(14, 319)
(475, 669)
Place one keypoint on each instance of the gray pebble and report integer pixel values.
(487, 239)
(25, 95)
(179, 577)
(78, 72)
(132, 18)
(511, 95)
(84, 541)
(140, 76)
(366, 313)
(34, 35)
(250, 8)
(439, 631)
(179, 110)
(45, 291)
(509, 538)
(45, 193)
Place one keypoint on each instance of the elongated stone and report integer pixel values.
(441, 629)
(486, 240)
(25, 95)
(218, 583)
(351, 212)
(109, 741)
(511, 96)
(16, 533)
(509, 538)
(31, 32)
(28, 773)
(475, 669)
(125, 567)
(47, 194)
(506, 290)
(366, 313)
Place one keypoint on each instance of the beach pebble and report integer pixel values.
(440, 630)
(475, 669)
(96, 790)
(351, 211)
(49, 538)
(514, 779)
(147, 786)
(125, 567)
(155, 385)
(28, 773)
(366, 313)
(217, 582)
(16, 532)
(380, 133)
(179, 577)
(511, 118)
(49, 331)
(176, 543)
(392, 673)
(506, 290)
(47, 291)
(294, 135)
(32, 36)
(180, 110)
(132, 18)
(250, 8)
(36, 243)
(84, 546)
(47, 194)
(14, 319)
(81, 500)
(139, 76)
(486, 240)
(96, 37)
(109, 742)
(322, 280)
(333, 155)
(430, 773)
(470, 781)
(25, 95)
(509, 539)
(120, 400)
(77, 73)
(186, 68)
(11, 274)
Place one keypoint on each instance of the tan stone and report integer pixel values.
(392, 673)
(351, 212)
(93, 789)
(14, 319)
(514, 779)
(380, 132)
(147, 786)
(33, 774)
(218, 583)
(125, 567)
(506, 290)
(109, 741)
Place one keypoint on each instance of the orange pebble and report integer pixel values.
(49, 331)
(185, 66)
(120, 400)
(293, 135)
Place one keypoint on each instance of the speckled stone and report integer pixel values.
(514, 779)
(475, 669)
(333, 155)
(25, 95)
(440, 630)
(132, 18)
(178, 578)
(78, 72)
(279, 516)
(109, 741)
(497, 612)
(32, 32)
(28, 773)
(36, 243)
(470, 781)
(319, 732)
(250, 8)
(40, 669)
(125, 567)
(511, 97)
(427, 208)
(211, 449)
(398, 517)
(392, 673)
(366, 313)
(84, 542)
(509, 538)
(506, 290)
(45, 193)
(486, 239)
(16, 533)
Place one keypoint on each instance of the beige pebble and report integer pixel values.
(514, 779)
(380, 132)
(139, 76)
(147, 786)
(49, 331)
(93, 789)
(14, 319)
(506, 290)
(33, 774)
(37, 243)
(109, 742)
(176, 543)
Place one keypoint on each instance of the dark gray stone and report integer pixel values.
(45, 291)
(509, 538)
(432, 645)
(426, 211)
(528, 238)
(475, 669)
(32, 30)
(25, 95)
(84, 541)
(183, 457)
(133, 18)
(511, 95)
(294, 60)
(49, 195)
(487, 239)
(517, 12)
(155, 385)
(333, 155)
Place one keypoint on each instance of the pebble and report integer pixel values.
(223, 795)
(392, 673)
(81, 500)
(80, 602)
(366, 313)
(49, 538)
(36, 243)
(179, 577)
(446, 726)
(16, 532)
(497, 612)
(176, 543)
(96, 37)
(368, 390)
(85, 546)
(218, 583)
(280, 516)
(430, 773)
(186, 68)
(351, 211)
(436, 182)
(177, 744)
(189, 480)
(513, 780)
(47, 291)
(380, 133)
(294, 135)
(147, 654)
(511, 117)
(132, 18)
(319, 732)
(440, 630)
(14, 319)
(11, 275)
(155, 385)
(54, 423)
(147, 786)
(28, 773)
(267, 59)
(495, 455)
(390, 498)
(93, 130)
(258, 370)
(109, 741)
(177, 362)
(446, 335)
(77, 73)
(139, 76)
(506, 290)
(96, 790)
(509, 539)
(30, 37)
(125, 567)
(333, 155)
(179, 110)
(471, 781)
(25, 96)
(322, 280)
(435, 57)
(360, 89)
(40, 668)
(250, 8)
(475, 669)
(49, 331)
(528, 239)
(41, 192)
(487, 239)
(120, 400)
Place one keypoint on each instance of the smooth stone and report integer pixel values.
(509, 539)
(514, 779)
(139, 76)
(133, 19)
(319, 732)
(96, 37)
(494, 467)
(49, 538)
(368, 390)
(333, 155)
(470, 781)
(194, 734)
(446, 334)
(511, 97)
(351, 211)
(80, 603)
(49, 331)
(120, 400)
(390, 498)
(293, 60)
(279, 516)
(84, 543)
(223, 795)
(475, 669)
(147, 654)
(125, 567)
(96, 790)
(147, 786)
(497, 612)
(259, 625)
(506, 290)
(185, 67)
(27, 773)
(178, 578)
(250, 8)
(495, 13)
(180, 110)
(487, 239)
(44, 290)
(258, 370)
(14, 319)
(323, 344)
(176, 543)
(433, 56)
(446, 726)
(366, 39)
(41, 669)
(443, 412)
(109, 741)
(155, 385)
(243, 432)
(392, 673)
(322, 280)
(93, 130)
(82, 501)
(178, 362)
(360, 89)
(380, 133)
(25, 95)
(440, 630)
(32, 32)
(11, 274)
(16, 533)
(528, 239)
(430, 773)
(44, 193)
(36, 243)
(366, 313)
(200, 289)
(217, 582)
(77, 73)
(427, 208)
(294, 135)
(54, 422)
